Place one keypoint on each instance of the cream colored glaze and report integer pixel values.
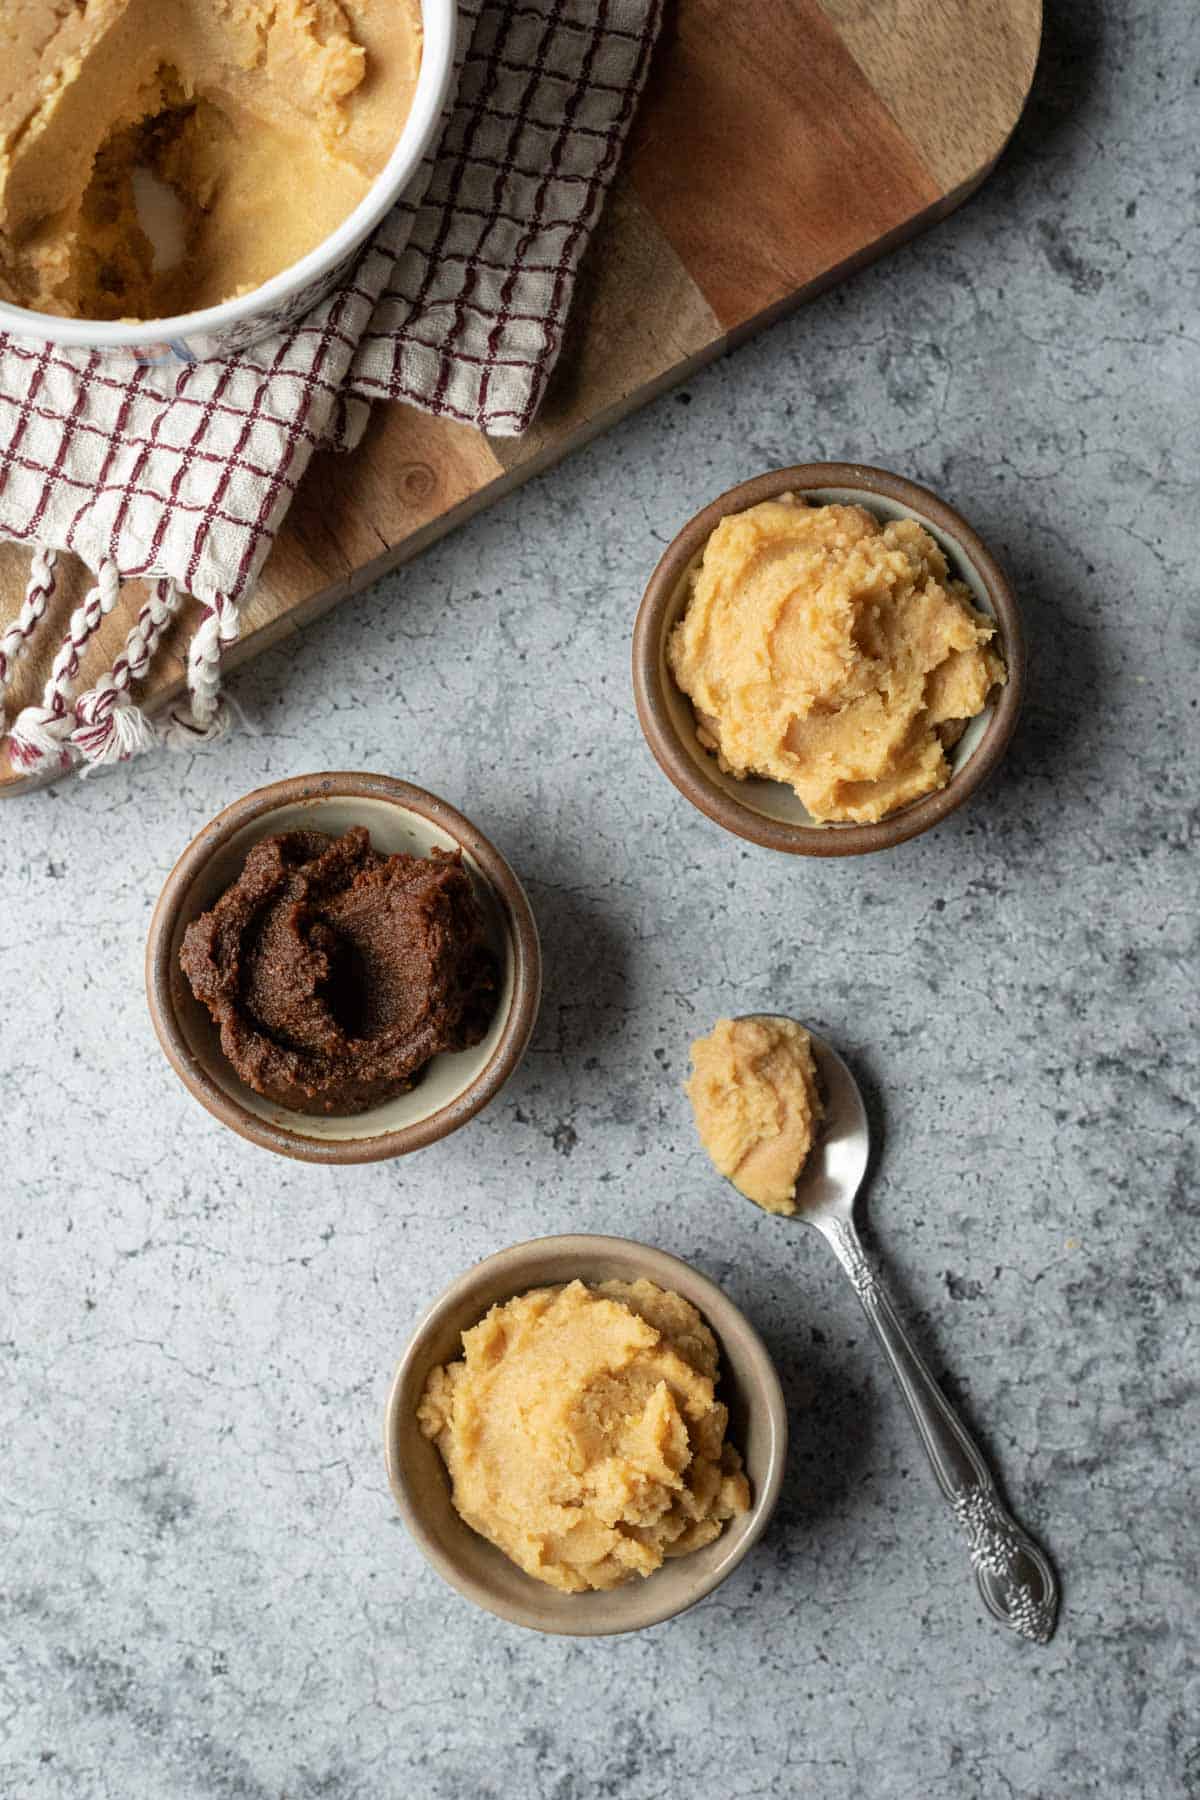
(269, 118)
(754, 1093)
(581, 1432)
(826, 650)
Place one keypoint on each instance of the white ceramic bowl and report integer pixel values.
(236, 324)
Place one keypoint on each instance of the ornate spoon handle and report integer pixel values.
(1013, 1575)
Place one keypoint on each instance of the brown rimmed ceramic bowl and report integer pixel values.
(748, 1385)
(768, 812)
(400, 817)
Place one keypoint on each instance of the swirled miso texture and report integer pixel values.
(334, 972)
(753, 1090)
(582, 1434)
(267, 119)
(828, 651)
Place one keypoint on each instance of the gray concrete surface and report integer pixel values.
(204, 1591)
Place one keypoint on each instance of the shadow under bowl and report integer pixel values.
(400, 818)
(748, 1385)
(768, 812)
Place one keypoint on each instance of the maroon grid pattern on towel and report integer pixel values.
(186, 475)
(471, 319)
(184, 472)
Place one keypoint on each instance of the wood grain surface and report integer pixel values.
(780, 144)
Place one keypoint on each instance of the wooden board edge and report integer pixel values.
(1030, 32)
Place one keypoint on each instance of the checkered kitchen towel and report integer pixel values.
(456, 306)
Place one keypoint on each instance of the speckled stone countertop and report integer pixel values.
(204, 1588)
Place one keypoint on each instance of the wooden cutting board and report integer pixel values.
(780, 145)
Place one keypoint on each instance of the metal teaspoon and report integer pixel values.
(1013, 1575)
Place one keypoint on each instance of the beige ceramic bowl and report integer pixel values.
(400, 817)
(768, 812)
(748, 1385)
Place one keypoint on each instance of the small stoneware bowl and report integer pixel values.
(748, 1385)
(768, 812)
(399, 817)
